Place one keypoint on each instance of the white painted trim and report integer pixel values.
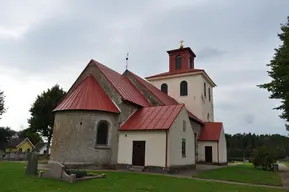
(115, 105)
(182, 75)
(128, 117)
(24, 141)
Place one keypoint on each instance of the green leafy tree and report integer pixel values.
(2, 107)
(42, 117)
(33, 136)
(5, 135)
(264, 158)
(279, 72)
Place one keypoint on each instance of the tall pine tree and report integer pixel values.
(279, 72)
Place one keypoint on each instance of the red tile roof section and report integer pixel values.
(176, 72)
(152, 118)
(88, 95)
(123, 86)
(211, 131)
(164, 98)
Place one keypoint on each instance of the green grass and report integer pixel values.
(286, 163)
(245, 173)
(12, 179)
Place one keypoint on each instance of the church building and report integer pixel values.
(162, 123)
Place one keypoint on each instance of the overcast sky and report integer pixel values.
(44, 42)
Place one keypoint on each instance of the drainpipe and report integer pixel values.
(218, 151)
(166, 155)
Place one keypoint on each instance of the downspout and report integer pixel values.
(218, 151)
(166, 156)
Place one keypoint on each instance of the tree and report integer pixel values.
(264, 158)
(279, 72)
(241, 146)
(42, 117)
(2, 107)
(34, 137)
(5, 135)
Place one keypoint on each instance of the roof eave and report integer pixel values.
(165, 76)
(24, 141)
(181, 50)
(60, 110)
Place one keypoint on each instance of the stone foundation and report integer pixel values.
(92, 166)
(158, 169)
(213, 163)
(180, 168)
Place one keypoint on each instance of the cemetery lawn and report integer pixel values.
(12, 178)
(245, 173)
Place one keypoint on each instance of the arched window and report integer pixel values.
(184, 88)
(178, 62)
(102, 133)
(164, 88)
(209, 92)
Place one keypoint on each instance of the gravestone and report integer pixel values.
(32, 166)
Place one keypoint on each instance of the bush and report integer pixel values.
(263, 158)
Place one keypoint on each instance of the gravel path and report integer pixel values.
(284, 174)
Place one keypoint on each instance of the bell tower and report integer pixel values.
(188, 85)
(181, 59)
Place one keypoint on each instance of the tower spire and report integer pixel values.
(126, 65)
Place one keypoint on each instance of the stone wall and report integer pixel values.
(16, 156)
(74, 135)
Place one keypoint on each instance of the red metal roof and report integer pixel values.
(161, 96)
(88, 95)
(152, 118)
(123, 86)
(211, 131)
(195, 117)
(164, 98)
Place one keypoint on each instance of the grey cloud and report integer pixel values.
(233, 41)
(248, 119)
(210, 53)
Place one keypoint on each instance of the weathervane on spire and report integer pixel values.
(181, 44)
(126, 65)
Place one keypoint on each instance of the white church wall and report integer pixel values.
(223, 147)
(201, 150)
(155, 149)
(195, 101)
(176, 134)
